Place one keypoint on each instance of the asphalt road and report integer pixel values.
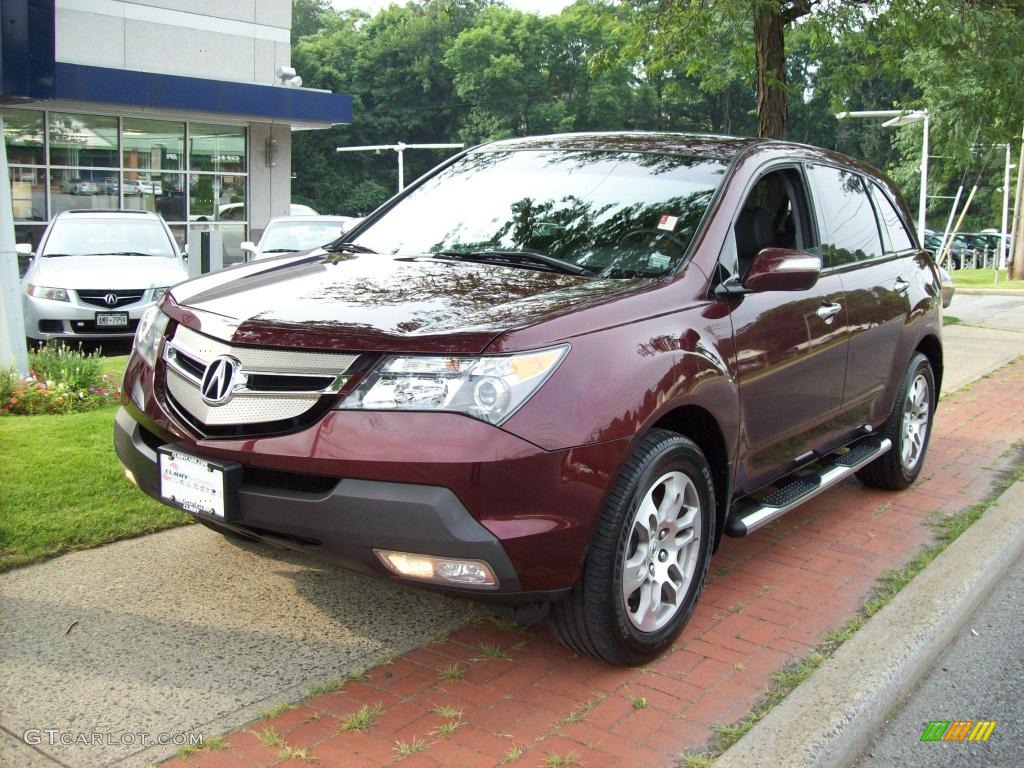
(979, 677)
(991, 334)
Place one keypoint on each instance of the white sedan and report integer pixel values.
(288, 234)
(95, 273)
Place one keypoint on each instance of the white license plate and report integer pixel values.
(192, 483)
(111, 319)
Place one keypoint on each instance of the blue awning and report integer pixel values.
(78, 82)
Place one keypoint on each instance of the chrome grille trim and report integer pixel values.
(97, 297)
(188, 354)
(257, 359)
(240, 409)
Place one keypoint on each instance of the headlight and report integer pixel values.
(490, 388)
(150, 333)
(158, 293)
(42, 292)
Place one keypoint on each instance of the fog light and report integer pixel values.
(445, 570)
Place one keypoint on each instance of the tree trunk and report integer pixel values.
(772, 114)
(1016, 265)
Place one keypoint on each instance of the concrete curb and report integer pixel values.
(994, 291)
(829, 720)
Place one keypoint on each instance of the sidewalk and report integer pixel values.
(525, 700)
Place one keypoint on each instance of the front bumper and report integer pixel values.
(75, 319)
(529, 513)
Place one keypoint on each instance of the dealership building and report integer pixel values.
(182, 107)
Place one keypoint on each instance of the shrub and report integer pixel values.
(69, 365)
(62, 380)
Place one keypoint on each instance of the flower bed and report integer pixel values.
(62, 380)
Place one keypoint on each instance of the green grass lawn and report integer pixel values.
(985, 278)
(62, 488)
(114, 366)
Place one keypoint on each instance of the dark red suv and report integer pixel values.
(552, 373)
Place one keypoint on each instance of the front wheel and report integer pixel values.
(909, 427)
(648, 558)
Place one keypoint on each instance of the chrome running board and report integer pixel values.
(754, 511)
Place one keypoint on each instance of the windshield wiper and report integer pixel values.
(284, 250)
(344, 247)
(120, 253)
(59, 255)
(513, 257)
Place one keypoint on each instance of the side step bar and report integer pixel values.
(753, 512)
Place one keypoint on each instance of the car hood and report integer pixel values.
(380, 303)
(106, 272)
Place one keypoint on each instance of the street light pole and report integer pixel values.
(399, 149)
(897, 119)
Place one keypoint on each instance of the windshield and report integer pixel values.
(299, 235)
(617, 214)
(103, 235)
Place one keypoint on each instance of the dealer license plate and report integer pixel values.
(195, 484)
(111, 319)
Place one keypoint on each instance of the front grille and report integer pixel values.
(89, 326)
(272, 390)
(122, 298)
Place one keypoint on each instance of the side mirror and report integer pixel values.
(23, 249)
(782, 269)
(248, 246)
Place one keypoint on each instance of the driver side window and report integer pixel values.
(774, 215)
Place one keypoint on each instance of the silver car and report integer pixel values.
(288, 234)
(95, 273)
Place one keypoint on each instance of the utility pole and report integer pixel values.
(13, 351)
(399, 148)
(1003, 234)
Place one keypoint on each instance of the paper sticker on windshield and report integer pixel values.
(668, 222)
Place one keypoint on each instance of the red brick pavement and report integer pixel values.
(770, 599)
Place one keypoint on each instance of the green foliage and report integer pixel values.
(63, 380)
(473, 70)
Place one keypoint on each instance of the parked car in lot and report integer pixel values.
(958, 250)
(77, 186)
(290, 234)
(96, 272)
(552, 374)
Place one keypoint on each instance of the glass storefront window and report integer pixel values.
(89, 140)
(194, 175)
(219, 148)
(157, 145)
(75, 188)
(23, 134)
(28, 193)
(216, 197)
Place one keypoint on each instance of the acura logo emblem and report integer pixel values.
(110, 299)
(218, 382)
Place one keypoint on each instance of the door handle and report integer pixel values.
(827, 311)
(901, 285)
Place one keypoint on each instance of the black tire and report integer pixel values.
(595, 618)
(890, 471)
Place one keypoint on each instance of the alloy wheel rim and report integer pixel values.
(661, 554)
(916, 409)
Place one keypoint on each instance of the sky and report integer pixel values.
(537, 6)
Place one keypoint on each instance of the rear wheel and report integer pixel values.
(909, 427)
(649, 556)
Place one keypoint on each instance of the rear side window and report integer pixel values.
(894, 231)
(849, 232)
